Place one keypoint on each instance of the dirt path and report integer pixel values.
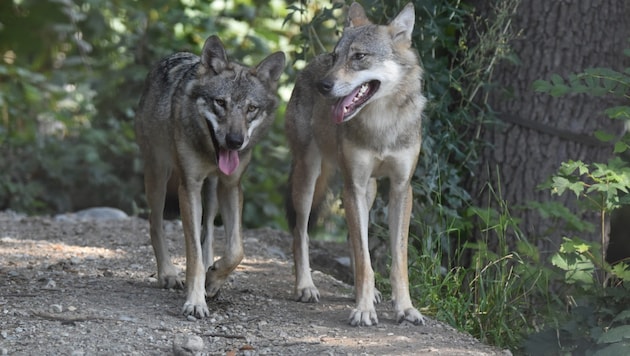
(89, 288)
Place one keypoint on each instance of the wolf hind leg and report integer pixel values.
(155, 180)
(309, 182)
(230, 195)
(210, 209)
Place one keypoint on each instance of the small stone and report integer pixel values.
(193, 343)
(56, 308)
(190, 345)
(191, 318)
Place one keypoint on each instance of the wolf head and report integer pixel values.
(236, 102)
(368, 61)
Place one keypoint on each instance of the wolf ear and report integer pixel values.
(401, 26)
(213, 56)
(356, 16)
(270, 69)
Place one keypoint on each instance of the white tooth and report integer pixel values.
(362, 91)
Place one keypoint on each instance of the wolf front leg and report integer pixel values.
(364, 313)
(400, 205)
(357, 166)
(230, 196)
(191, 210)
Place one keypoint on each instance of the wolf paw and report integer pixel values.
(307, 295)
(199, 311)
(411, 315)
(378, 297)
(363, 317)
(170, 281)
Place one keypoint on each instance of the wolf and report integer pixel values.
(359, 109)
(199, 118)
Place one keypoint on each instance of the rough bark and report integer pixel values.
(535, 132)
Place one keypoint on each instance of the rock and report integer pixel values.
(190, 345)
(98, 213)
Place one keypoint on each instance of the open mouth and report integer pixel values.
(348, 106)
(227, 160)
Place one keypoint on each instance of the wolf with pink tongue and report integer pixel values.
(199, 118)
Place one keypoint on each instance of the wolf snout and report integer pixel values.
(234, 141)
(325, 86)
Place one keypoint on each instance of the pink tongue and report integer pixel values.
(228, 161)
(338, 109)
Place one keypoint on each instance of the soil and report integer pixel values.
(71, 285)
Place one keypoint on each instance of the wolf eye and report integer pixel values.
(358, 56)
(252, 108)
(220, 102)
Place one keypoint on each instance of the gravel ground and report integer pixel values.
(74, 286)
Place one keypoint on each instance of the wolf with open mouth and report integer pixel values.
(358, 108)
(199, 117)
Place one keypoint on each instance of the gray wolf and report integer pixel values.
(199, 117)
(358, 108)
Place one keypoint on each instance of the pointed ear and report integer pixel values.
(270, 69)
(356, 16)
(401, 26)
(213, 56)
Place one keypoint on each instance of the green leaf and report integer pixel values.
(622, 272)
(624, 315)
(541, 86)
(615, 334)
(617, 349)
(604, 136)
(559, 90)
(620, 147)
(556, 79)
(618, 112)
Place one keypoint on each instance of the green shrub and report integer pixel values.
(593, 318)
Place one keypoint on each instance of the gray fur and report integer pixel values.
(199, 118)
(358, 108)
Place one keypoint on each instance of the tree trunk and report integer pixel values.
(535, 132)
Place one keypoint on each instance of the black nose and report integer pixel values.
(234, 141)
(325, 86)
